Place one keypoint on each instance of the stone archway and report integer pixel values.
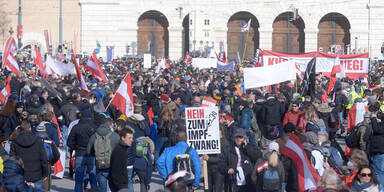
(152, 34)
(185, 35)
(236, 39)
(288, 35)
(333, 29)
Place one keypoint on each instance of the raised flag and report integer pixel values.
(224, 57)
(5, 92)
(162, 64)
(306, 174)
(110, 50)
(83, 85)
(38, 60)
(218, 57)
(94, 67)
(246, 26)
(123, 99)
(208, 102)
(335, 70)
(9, 59)
(58, 168)
(355, 116)
(310, 70)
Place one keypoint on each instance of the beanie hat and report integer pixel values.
(273, 146)
(165, 98)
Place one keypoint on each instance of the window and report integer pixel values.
(190, 33)
(190, 22)
(206, 33)
(206, 21)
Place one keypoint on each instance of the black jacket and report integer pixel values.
(249, 155)
(377, 139)
(30, 149)
(79, 137)
(118, 176)
(272, 112)
(69, 112)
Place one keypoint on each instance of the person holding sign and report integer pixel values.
(237, 162)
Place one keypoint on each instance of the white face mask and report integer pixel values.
(92, 101)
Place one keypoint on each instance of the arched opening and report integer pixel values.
(236, 39)
(333, 30)
(185, 35)
(288, 34)
(152, 35)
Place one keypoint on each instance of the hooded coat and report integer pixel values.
(30, 149)
(14, 177)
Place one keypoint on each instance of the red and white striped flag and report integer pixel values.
(123, 99)
(162, 64)
(94, 67)
(307, 175)
(83, 85)
(335, 70)
(58, 170)
(208, 102)
(187, 58)
(38, 60)
(5, 92)
(355, 116)
(9, 59)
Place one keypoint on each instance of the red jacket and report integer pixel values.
(292, 117)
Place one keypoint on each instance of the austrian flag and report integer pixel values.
(5, 93)
(94, 67)
(123, 99)
(9, 59)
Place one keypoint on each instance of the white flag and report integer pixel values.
(246, 26)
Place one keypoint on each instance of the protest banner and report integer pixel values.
(355, 65)
(147, 60)
(203, 63)
(264, 76)
(202, 125)
(208, 102)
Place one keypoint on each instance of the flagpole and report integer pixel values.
(115, 92)
(245, 48)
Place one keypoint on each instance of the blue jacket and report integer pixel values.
(140, 125)
(143, 165)
(14, 177)
(165, 163)
(246, 119)
(52, 132)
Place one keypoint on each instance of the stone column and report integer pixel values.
(311, 39)
(266, 37)
(175, 42)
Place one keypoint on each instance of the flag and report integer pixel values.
(94, 67)
(123, 99)
(5, 92)
(38, 60)
(311, 69)
(9, 59)
(162, 64)
(224, 57)
(307, 175)
(246, 26)
(208, 102)
(58, 170)
(218, 57)
(225, 67)
(83, 86)
(187, 58)
(335, 70)
(355, 116)
(299, 73)
(110, 50)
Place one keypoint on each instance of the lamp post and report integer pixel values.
(61, 23)
(19, 26)
(10, 31)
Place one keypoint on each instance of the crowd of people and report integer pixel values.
(111, 151)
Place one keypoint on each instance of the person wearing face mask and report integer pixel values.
(365, 181)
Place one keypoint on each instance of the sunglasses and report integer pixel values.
(365, 174)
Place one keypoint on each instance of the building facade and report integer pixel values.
(169, 28)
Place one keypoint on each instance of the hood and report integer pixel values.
(103, 129)
(260, 101)
(271, 101)
(137, 117)
(11, 167)
(26, 139)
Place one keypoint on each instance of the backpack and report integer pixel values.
(53, 154)
(142, 148)
(271, 180)
(103, 151)
(311, 126)
(352, 139)
(184, 162)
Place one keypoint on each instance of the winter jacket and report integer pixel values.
(30, 149)
(272, 112)
(79, 136)
(230, 129)
(118, 176)
(138, 123)
(249, 155)
(292, 117)
(52, 132)
(246, 119)
(11, 123)
(214, 158)
(166, 128)
(14, 177)
(341, 102)
(102, 130)
(165, 163)
(33, 107)
(377, 139)
(145, 165)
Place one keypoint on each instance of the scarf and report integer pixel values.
(362, 186)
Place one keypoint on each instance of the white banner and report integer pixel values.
(202, 125)
(263, 76)
(203, 63)
(147, 60)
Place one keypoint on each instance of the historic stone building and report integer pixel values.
(167, 28)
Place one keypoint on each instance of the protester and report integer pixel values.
(377, 148)
(14, 177)
(365, 180)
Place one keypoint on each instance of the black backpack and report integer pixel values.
(184, 162)
(352, 139)
(271, 180)
(312, 126)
